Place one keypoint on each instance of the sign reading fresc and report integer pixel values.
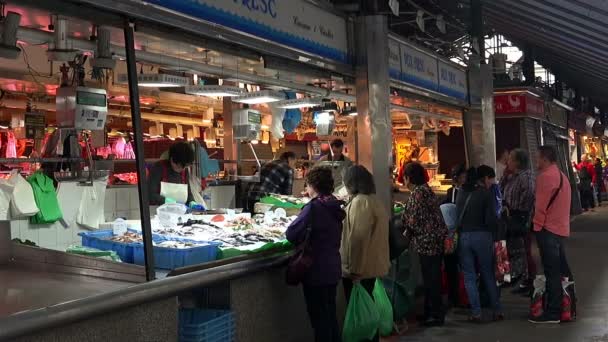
(293, 23)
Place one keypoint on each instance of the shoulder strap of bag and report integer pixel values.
(554, 196)
(464, 209)
(306, 241)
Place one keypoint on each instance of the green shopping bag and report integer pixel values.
(385, 309)
(362, 316)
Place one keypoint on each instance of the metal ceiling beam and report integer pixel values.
(525, 22)
(545, 41)
(593, 9)
(569, 74)
(557, 23)
(558, 64)
(592, 70)
(553, 9)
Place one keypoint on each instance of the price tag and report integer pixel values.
(119, 227)
(231, 213)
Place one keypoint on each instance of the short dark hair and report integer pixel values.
(358, 180)
(485, 171)
(337, 143)
(548, 152)
(321, 179)
(522, 158)
(415, 173)
(472, 178)
(457, 170)
(285, 156)
(181, 153)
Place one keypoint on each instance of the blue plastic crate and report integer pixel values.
(203, 325)
(171, 258)
(100, 239)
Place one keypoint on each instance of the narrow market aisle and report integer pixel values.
(587, 256)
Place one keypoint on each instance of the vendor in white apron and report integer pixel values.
(168, 178)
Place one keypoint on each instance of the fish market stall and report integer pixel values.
(182, 238)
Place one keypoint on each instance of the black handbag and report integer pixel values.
(301, 262)
(517, 223)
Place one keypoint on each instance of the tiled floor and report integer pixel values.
(589, 261)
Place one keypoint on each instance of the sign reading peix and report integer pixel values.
(296, 24)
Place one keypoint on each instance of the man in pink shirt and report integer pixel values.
(552, 226)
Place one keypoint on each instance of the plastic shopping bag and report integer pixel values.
(537, 305)
(503, 266)
(362, 317)
(385, 309)
(568, 301)
(23, 203)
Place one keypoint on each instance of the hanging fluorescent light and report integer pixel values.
(214, 90)
(257, 97)
(157, 80)
(563, 105)
(326, 107)
(300, 103)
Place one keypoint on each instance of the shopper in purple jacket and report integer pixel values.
(324, 215)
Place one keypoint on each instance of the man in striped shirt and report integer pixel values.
(517, 187)
(276, 177)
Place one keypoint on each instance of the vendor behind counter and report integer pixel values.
(276, 177)
(168, 178)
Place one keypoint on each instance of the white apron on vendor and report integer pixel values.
(166, 185)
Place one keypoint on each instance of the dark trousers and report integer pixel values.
(451, 270)
(587, 198)
(321, 306)
(553, 256)
(431, 275)
(531, 274)
(368, 285)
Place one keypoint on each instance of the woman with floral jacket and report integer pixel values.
(426, 229)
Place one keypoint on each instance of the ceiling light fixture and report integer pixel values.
(157, 80)
(214, 90)
(326, 107)
(258, 97)
(300, 103)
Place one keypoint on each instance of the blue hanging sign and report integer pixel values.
(297, 24)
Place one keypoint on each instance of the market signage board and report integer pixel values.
(452, 81)
(35, 125)
(296, 24)
(518, 104)
(418, 68)
(394, 60)
(426, 70)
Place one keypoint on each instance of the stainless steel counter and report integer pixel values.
(22, 290)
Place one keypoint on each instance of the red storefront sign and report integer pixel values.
(520, 104)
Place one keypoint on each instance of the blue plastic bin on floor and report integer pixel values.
(171, 258)
(100, 240)
(204, 325)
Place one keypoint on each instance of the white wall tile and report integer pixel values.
(122, 199)
(134, 197)
(15, 229)
(47, 236)
(28, 232)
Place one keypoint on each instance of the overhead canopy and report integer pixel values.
(568, 37)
